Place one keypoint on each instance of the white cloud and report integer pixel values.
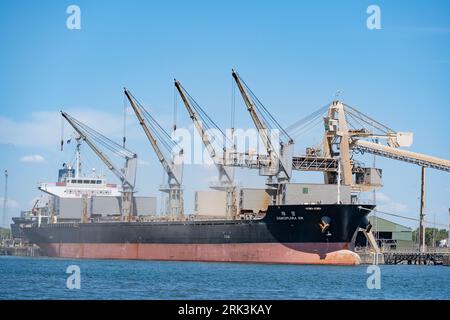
(383, 198)
(34, 158)
(41, 129)
(44, 128)
(143, 162)
(211, 179)
(394, 207)
(385, 203)
(10, 203)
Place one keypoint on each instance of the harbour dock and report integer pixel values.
(10, 247)
(408, 257)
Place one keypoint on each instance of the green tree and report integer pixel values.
(4, 233)
(429, 234)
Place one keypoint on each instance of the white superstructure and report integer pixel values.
(75, 195)
(73, 184)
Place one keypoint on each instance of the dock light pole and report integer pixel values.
(422, 213)
(5, 199)
(339, 181)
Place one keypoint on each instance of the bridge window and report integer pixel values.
(305, 190)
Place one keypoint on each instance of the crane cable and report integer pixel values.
(101, 139)
(368, 120)
(265, 114)
(162, 135)
(206, 119)
(207, 123)
(301, 126)
(403, 217)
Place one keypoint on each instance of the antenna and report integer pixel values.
(62, 134)
(175, 109)
(78, 160)
(124, 140)
(337, 94)
(5, 198)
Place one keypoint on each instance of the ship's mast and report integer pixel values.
(78, 160)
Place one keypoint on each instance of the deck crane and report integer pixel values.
(127, 174)
(159, 139)
(209, 131)
(280, 155)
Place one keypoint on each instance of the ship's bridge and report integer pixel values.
(90, 182)
(76, 187)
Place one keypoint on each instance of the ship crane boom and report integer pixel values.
(159, 138)
(139, 111)
(210, 132)
(280, 158)
(204, 131)
(127, 175)
(259, 124)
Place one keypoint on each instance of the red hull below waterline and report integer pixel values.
(288, 253)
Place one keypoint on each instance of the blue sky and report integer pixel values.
(294, 54)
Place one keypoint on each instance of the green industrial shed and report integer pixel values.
(389, 235)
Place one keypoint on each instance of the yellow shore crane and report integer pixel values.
(347, 129)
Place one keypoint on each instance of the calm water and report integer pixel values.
(45, 278)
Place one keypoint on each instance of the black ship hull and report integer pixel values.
(297, 234)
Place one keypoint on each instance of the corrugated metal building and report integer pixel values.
(390, 235)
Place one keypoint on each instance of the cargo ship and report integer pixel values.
(284, 222)
(312, 229)
(291, 234)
